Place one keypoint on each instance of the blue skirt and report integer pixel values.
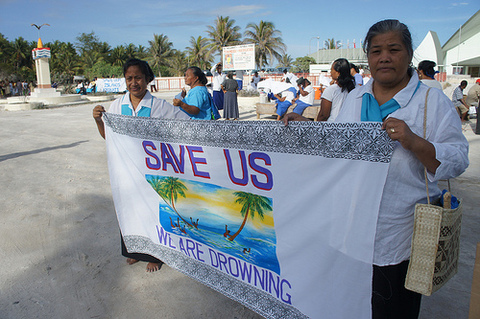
(218, 99)
(301, 106)
(282, 107)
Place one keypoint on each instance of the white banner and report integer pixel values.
(113, 85)
(238, 57)
(281, 219)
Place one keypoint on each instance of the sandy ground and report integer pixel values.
(60, 242)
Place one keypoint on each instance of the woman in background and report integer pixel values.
(198, 103)
(334, 95)
(230, 103)
(426, 74)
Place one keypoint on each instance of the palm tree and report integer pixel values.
(223, 33)
(268, 42)
(169, 188)
(118, 55)
(130, 51)
(331, 43)
(160, 51)
(285, 61)
(251, 204)
(21, 53)
(178, 63)
(198, 52)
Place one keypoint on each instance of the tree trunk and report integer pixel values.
(173, 206)
(231, 238)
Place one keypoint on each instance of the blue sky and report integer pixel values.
(120, 22)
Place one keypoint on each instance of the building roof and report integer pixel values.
(466, 31)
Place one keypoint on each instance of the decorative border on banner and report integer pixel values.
(251, 297)
(364, 141)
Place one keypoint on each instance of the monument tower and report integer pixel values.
(41, 57)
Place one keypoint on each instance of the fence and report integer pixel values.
(177, 83)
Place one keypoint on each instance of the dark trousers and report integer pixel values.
(390, 299)
(138, 256)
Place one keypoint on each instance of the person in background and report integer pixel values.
(459, 101)
(218, 79)
(239, 78)
(230, 103)
(284, 99)
(290, 76)
(138, 102)
(333, 96)
(474, 94)
(355, 72)
(306, 95)
(198, 103)
(426, 74)
(261, 74)
(255, 79)
(153, 87)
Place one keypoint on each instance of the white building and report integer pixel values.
(459, 55)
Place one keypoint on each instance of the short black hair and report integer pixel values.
(464, 83)
(427, 67)
(202, 78)
(142, 65)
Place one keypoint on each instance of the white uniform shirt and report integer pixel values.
(288, 95)
(159, 107)
(217, 79)
(334, 94)
(405, 183)
(432, 83)
(308, 99)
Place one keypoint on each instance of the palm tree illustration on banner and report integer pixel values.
(251, 204)
(169, 188)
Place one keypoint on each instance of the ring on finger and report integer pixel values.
(392, 130)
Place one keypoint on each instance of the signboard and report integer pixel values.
(239, 57)
(112, 85)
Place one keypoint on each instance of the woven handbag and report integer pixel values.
(435, 242)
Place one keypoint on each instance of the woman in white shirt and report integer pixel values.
(426, 74)
(396, 97)
(335, 94)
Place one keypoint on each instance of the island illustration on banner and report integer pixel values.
(237, 223)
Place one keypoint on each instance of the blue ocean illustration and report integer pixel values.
(215, 217)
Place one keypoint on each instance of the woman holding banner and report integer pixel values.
(198, 103)
(138, 102)
(396, 97)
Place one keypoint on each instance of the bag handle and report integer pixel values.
(425, 137)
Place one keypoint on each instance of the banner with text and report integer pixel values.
(113, 85)
(238, 57)
(281, 219)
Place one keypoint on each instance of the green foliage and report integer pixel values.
(331, 44)
(160, 52)
(223, 33)
(91, 57)
(198, 53)
(268, 42)
(102, 69)
(285, 61)
(302, 64)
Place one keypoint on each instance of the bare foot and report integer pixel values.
(131, 261)
(152, 267)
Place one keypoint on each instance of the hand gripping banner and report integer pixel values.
(280, 219)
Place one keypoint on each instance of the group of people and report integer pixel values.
(345, 77)
(18, 88)
(395, 97)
